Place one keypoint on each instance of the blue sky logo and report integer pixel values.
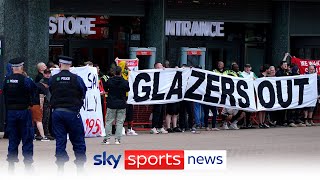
(105, 159)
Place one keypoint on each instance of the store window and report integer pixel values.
(95, 38)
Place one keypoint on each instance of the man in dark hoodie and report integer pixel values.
(116, 105)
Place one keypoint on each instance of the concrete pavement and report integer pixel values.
(279, 150)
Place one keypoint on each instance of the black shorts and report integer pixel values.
(173, 108)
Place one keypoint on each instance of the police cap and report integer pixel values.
(65, 60)
(17, 62)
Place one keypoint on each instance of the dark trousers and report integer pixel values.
(213, 109)
(46, 118)
(293, 116)
(280, 116)
(247, 120)
(69, 123)
(186, 115)
(129, 115)
(19, 127)
(157, 115)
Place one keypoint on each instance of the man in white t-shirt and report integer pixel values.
(248, 73)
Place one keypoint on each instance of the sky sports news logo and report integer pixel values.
(166, 160)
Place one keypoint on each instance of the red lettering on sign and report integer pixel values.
(93, 126)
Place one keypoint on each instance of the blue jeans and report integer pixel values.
(198, 114)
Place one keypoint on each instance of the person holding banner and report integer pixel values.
(281, 114)
(186, 114)
(272, 114)
(247, 73)
(294, 114)
(220, 67)
(233, 116)
(157, 113)
(129, 109)
(262, 114)
(67, 94)
(308, 111)
(117, 88)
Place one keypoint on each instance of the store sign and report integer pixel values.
(71, 25)
(194, 28)
(194, 53)
(144, 53)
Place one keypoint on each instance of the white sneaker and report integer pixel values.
(234, 126)
(215, 129)
(105, 141)
(162, 131)
(292, 125)
(307, 123)
(312, 123)
(225, 127)
(117, 141)
(131, 132)
(123, 131)
(154, 131)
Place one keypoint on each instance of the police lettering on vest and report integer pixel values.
(64, 84)
(17, 96)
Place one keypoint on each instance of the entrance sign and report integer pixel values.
(71, 25)
(194, 28)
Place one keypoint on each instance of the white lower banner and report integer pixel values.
(289, 92)
(91, 111)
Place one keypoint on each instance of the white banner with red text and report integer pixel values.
(133, 64)
(91, 111)
(173, 85)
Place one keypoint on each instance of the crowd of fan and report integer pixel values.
(182, 116)
(192, 116)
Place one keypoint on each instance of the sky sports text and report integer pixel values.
(175, 159)
(105, 159)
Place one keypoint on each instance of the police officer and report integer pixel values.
(67, 93)
(18, 92)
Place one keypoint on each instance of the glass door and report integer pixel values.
(220, 54)
(97, 51)
(255, 56)
(228, 52)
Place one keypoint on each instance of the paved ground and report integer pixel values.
(283, 151)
